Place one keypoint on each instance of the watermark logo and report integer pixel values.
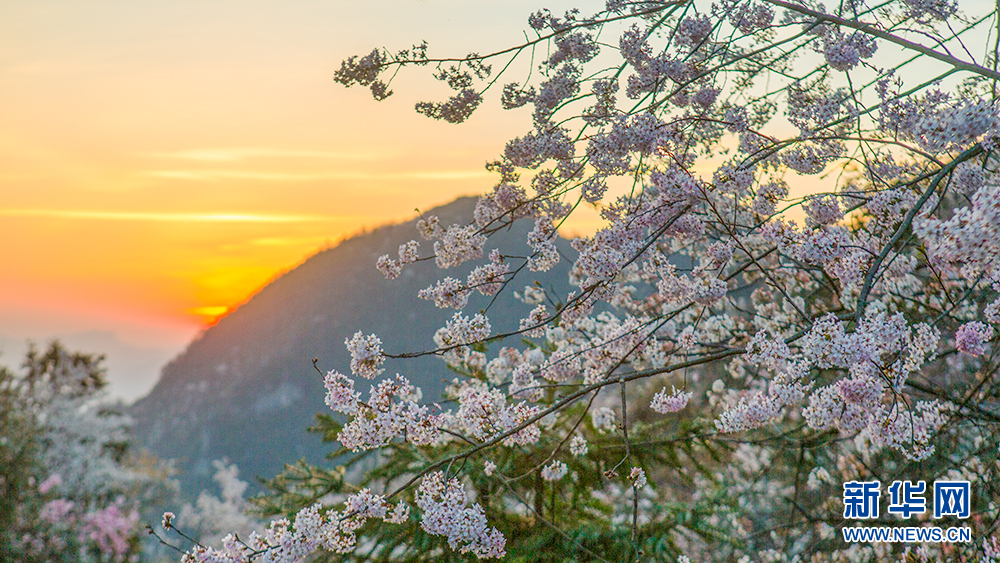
(908, 534)
(906, 498)
(951, 498)
(861, 499)
(903, 499)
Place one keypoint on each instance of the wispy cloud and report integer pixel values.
(55, 67)
(289, 241)
(442, 175)
(216, 175)
(168, 217)
(238, 154)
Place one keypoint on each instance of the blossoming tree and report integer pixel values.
(70, 492)
(720, 370)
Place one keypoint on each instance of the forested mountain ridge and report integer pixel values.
(246, 389)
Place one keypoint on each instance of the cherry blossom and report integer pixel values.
(810, 323)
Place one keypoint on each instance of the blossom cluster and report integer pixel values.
(366, 355)
(676, 401)
(446, 512)
(311, 529)
(383, 418)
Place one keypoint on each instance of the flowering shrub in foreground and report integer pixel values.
(69, 490)
(855, 344)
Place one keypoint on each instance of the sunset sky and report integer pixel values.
(160, 161)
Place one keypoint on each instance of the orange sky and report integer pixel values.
(160, 161)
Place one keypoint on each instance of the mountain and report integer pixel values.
(246, 389)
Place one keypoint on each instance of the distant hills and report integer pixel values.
(246, 389)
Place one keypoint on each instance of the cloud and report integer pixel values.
(238, 154)
(216, 175)
(170, 217)
(289, 241)
(56, 67)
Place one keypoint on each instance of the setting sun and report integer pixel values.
(211, 314)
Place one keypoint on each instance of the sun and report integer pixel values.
(210, 315)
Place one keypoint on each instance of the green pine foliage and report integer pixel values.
(571, 519)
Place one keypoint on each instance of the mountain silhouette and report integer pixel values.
(246, 389)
